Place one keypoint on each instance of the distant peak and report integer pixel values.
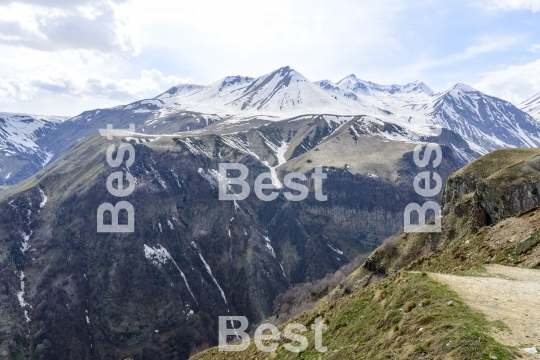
(285, 69)
(352, 80)
(236, 78)
(418, 87)
(287, 72)
(463, 87)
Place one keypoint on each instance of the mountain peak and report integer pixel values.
(285, 89)
(463, 87)
(179, 90)
(285, 69)
(235, 80)
(351, 83)
(327, 85)
(286, 73)
(418, 87)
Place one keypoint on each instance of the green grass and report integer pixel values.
(528, 243)
(383, 320)
(481, 271)
(492, 163)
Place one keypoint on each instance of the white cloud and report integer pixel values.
(513, 83)
(56, 3)
(29, 86)
(508, 5)
(246, 37)
(74, 55)
(485, 45)
(92, 27)
(12, 90)
(534, 48)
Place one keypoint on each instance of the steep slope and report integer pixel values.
(532, 106)
(500, 185)
(179, 90)
(192, 257)
(486, 121)
(20, 156)
(397, 306)
(404, 316)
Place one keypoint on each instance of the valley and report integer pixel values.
(158, 292)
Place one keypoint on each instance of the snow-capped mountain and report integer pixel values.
(483, 121)
(351, 87)
(278, 123)
(486, 121)
(217, 90)
(179, 90)
(532, 106)
(281, 93)
(19, 152)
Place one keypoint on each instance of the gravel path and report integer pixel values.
(512, 296)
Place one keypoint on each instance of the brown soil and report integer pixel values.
(508, 294)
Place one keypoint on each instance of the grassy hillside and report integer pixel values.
(404, 316)
(391, 308)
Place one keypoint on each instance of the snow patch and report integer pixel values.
(44, 198)
(213, 278)
(159, 256)
(25, 245)
(20, 297)
(334, 249)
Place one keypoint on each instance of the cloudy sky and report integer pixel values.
(60, 57)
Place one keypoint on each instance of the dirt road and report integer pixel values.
(508, 294)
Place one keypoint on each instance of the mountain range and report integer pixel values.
(484, 122)
(158, 292)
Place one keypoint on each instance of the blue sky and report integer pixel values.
(61, 57)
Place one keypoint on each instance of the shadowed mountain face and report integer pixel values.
(70, 292)
(20, 155)
(490, 122)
